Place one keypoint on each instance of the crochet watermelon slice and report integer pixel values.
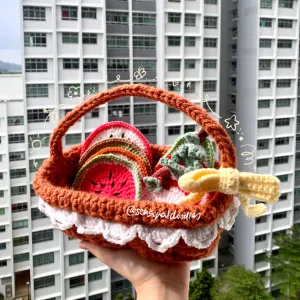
(111, 176)
(118, 130)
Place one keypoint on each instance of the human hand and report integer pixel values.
(151, 280)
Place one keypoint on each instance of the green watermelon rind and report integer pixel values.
(112, 158)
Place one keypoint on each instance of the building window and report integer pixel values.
(210, 42)
(266, 4)
(36, 214)
(89, 13)
(282, 122)
(96, 297)
(43, 259)
(118, 65)
(42, 236)
(37, 90)
(44, 282)
(174, 130)
(286, 3)
(265, 43)
(2, 228)
(18, 190)
(2, 212)
(70, 37)
(264, 64)
(282, 141)
(141, 19)
(172, 110)
(90, 65)
(209, 86)
(210, 22)
(174, 17)
(190, 20)
(212, 2)
(281, 160)
(283, 83)
(191, 88)
(284, 43)
(260, 238)
(144, 109)
(264, 84)
(76, 281)
(281, 215)
(210, 63)
(21, 257)
(19, 224)
(3, 263)
(120, 18)
(15, 121)
(264, 103)
(16, 138)
(283, 23)
(93, 88)
(189, 63)
(17, 173)
(262, 162)
(69, 13)
(89, 38)
(174, 65)
(174, 41)
(147, 130)
(208, 264)
(34, 13)
(68, 90)
(263, 144)
(283, 102)
(260, 220)
(283, 178)
(2, 246)
(284, 196)
(148, 65)
(265, 22)
(210, 105)
(37, 116)
(189, 41)
(118, 42)
(35, 39)
(75, 259)
(298, 138)
(39, 140)
(71, 63)
(284, 63)
(297, 156)
(297, 192)
(95, 276)
(72, 139)
(36, 65)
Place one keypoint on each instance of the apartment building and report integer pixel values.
(73, 49)
(264, 62)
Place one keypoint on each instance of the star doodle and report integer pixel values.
(230, 124)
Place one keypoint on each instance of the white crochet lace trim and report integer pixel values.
(158, 239)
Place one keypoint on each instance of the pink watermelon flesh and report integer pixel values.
(111, 180)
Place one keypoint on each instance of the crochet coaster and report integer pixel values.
(114, 142)
(118, 130)
(110, 175)
(120, 152)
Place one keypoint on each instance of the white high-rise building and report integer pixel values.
(73, 49)
(264, 51)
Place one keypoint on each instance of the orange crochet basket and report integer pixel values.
(107, 221)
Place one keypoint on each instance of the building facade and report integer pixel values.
(73, 49)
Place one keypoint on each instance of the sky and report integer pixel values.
(10, 33)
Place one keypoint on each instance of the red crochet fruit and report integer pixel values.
(111, 176)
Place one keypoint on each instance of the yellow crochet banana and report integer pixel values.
(265, 188)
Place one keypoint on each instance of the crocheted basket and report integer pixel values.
(111, 222)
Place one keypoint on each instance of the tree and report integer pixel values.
(200, 287)
(1, 297)
(129, 296)
(119, 297)
(286, 263)
(239, 284)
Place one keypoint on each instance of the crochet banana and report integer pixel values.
(264, 188)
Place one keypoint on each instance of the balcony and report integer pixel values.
(143, 53)
(281, 222)
(262, 246)
(142, 29)
(116, 5)
(261, 265)
(143, 6)
(120, 52)
(117, 28)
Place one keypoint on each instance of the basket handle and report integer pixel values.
(197, 113)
